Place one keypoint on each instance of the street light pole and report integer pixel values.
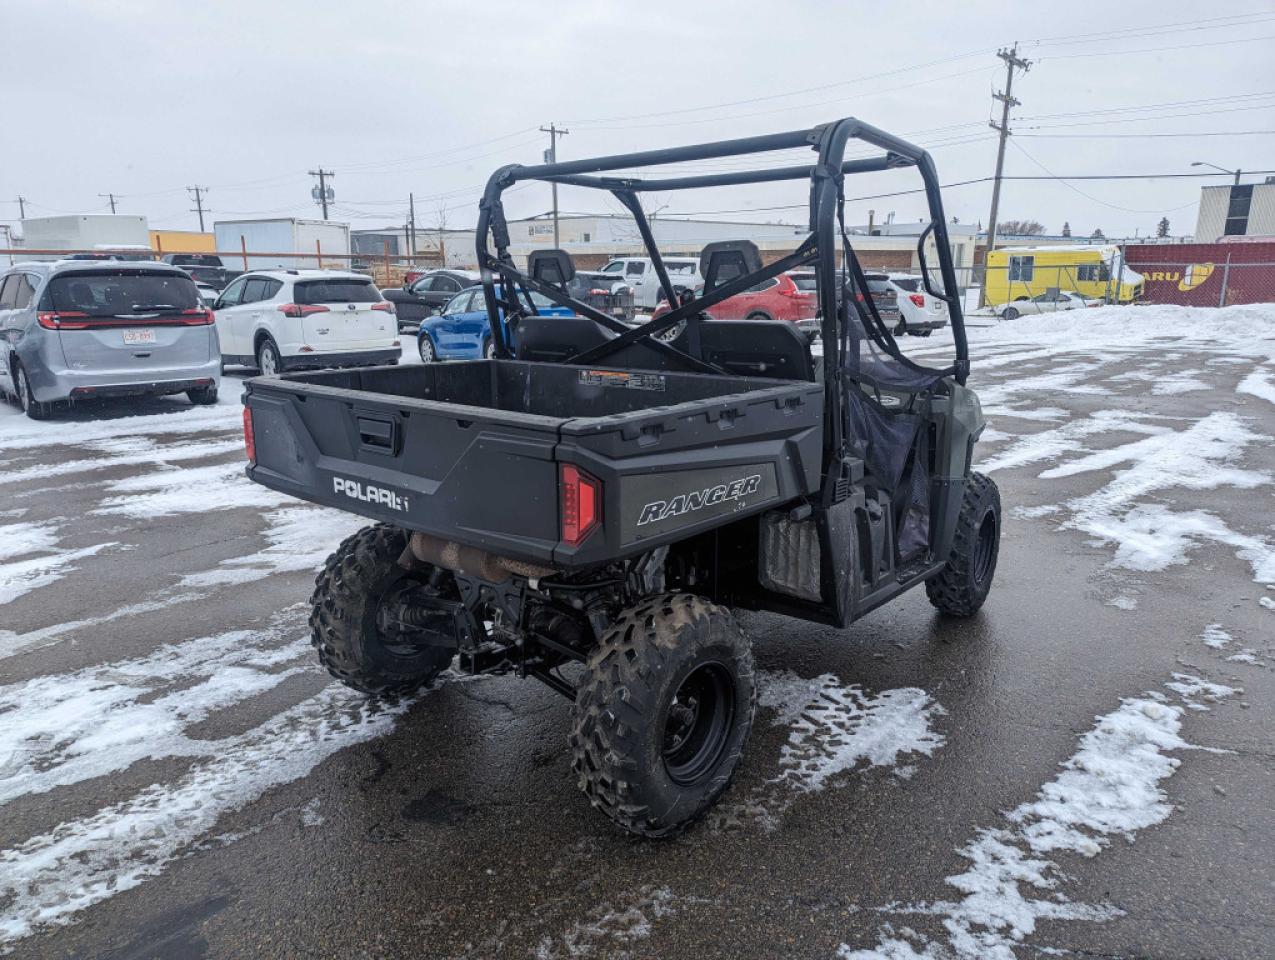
(1235, 173)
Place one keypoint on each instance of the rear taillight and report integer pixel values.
(301, 309)
(249, 441)
(596, 292)
(197, 317)
(61, 319)
(581, 503)
(918, 299)
(383, 305)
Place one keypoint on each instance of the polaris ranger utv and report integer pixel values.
(590, 506)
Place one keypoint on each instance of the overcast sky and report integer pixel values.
(145, 97)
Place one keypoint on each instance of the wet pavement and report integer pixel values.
(178, 779)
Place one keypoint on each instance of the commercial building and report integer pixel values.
(1236, 210)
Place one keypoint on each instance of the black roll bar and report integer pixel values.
(826, 178)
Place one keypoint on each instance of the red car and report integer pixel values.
(789, 296)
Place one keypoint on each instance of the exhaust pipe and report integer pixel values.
(469, 561)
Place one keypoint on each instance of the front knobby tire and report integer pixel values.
(347, 625)
(962, 586)
(663, 713)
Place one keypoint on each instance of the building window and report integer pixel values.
(1021, 269)
(586, 237)
(1237, 210)
(1093, 272)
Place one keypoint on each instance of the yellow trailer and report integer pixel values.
(182, 241)
(1095, 272)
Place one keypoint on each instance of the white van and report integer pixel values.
(278, 320)
(639, 273)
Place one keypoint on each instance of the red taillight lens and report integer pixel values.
(197, 317)
(918, 299)
(384, 305)
(581, 503)
(61, 319)
(301, 309)
(249, 441)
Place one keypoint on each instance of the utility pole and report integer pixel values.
(22, 208)
(198, 193)
(1007, 99)
(111, 197)
(323, 187)
(551, 156)
(411, 219)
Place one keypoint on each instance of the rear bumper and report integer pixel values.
(353, 358)
(937, 323)
(60, 384)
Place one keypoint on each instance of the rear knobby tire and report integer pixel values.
(962, 586)
(345, 626)
(650, 760)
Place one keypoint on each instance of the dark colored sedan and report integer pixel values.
(425, 296)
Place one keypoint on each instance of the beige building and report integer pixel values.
(1236, 210)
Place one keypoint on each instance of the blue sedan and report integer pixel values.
(461, 332)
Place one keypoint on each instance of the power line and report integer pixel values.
(1186, 46)
(1142, 136)
(1209, 23)
(111, 196)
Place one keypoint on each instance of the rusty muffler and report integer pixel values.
(470, 561)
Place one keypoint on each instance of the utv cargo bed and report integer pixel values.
(495, 454)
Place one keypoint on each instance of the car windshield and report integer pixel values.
(682, 266)
(109, 293)
(336, 290)
(910, 284)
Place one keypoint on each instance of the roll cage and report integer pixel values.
(835, 284)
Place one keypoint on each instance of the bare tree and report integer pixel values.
(1021, 228)
(440, 226)
(1162, 228)
(1097, 234)
(1066, 230)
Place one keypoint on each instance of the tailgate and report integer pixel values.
(459, 472)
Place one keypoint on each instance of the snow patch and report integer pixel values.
(1109, 788)
(1214, 636)
(1259, 383)
(834, 728)
(611, 926)
(22, 576)
(58, 730)
(1123, 602)
(195, 490)
(301, 538)
(48, 878)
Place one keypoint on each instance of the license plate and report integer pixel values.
(138, 336)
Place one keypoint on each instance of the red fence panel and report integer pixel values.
(1205, 274)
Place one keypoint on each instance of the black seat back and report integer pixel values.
(755, 348)
(557, 339)
(725, 260)
(553, 267)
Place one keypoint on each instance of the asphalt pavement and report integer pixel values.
(183, 781)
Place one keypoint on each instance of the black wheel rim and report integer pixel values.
(985, 548)
(698, 723)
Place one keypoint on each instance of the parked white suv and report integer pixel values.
(639, 273)
(278, 320)
(919, 313)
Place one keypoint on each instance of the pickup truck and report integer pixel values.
(203, 268)
(589, 509)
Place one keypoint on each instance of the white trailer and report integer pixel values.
(271, 244)
(90, 233)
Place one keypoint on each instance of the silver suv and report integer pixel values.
(74, 329)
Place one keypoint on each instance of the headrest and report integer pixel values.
(725, 260)
(551, 266)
